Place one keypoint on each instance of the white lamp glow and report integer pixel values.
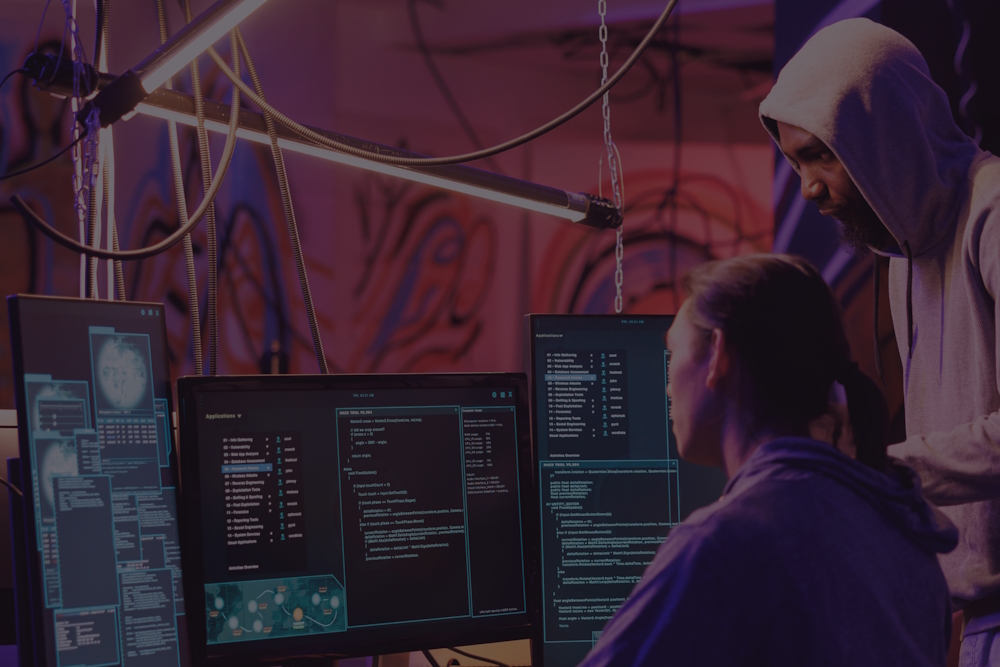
(572, 214)
(209, 27)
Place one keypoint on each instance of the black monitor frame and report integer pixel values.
(325, 647)
(34, 605)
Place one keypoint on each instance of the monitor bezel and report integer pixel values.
(526, 626)
(530, 323)
(34, 566)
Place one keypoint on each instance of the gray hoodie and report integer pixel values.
(866, 92)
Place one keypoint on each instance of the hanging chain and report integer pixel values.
(85, 154)
(612, 150)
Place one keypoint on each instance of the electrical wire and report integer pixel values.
(97, 196)
(93, 230)
(116, 276)
(45, 228)
(194, 310)
(272, 301)
(478, 657)
(286, 201)
(454, 159)
(119, 272)
(10, 74)
(430, 658)
(212, 241)
(12, 488)
(41, 22)
(62, 152)
(449, 98)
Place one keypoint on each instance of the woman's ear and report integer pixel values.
(719, 360)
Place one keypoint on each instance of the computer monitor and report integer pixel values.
(355, 515)
(8, 450)
(610, 480)
(93, 394)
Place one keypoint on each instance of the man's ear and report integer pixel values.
(719, 360)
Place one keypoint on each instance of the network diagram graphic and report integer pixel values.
(269, 608)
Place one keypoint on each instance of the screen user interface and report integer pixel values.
(95, 399)
(611, 482)
(340, 515)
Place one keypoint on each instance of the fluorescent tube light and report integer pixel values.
(575, 211)
(120, 97)
(582, 208)
(192, 40)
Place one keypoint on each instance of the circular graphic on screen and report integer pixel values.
(121, 373)
(59, 460)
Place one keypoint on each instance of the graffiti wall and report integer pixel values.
(405, 277)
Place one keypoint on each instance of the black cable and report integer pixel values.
(430, 658)
(478, 657)
(21, 172)
(418, 37)
(41, 23)
(11, 487)
(453, 159)
(17, 71)
(38, 223)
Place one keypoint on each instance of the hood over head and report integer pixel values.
(866, 92)
(895, 495)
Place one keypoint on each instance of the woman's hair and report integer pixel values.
(785, 325)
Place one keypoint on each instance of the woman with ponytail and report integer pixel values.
(810, 557)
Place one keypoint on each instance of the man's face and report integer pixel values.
(826, 182)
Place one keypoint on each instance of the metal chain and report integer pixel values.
(612, 150)
(84, 153)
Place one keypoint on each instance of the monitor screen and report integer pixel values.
(352, 515)
(610, 481)
(94, 403)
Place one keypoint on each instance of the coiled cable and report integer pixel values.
(118, 287)
(212, 244)
(194, 309)
(286, 201)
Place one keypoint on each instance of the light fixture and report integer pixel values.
(122, 96)
(577, 207)
(192, 40)
(583, 208)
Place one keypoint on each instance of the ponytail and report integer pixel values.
(868, 415)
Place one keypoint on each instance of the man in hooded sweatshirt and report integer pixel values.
(860, 119)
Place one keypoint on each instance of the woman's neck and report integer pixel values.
(740, 440)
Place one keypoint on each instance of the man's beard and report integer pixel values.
(861, 230)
